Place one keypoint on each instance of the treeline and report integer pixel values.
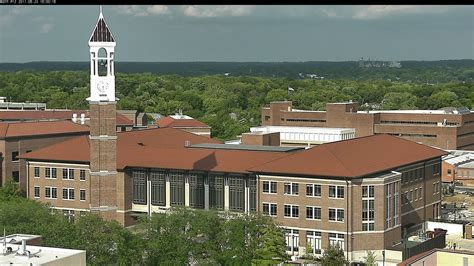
(229, 104)
(180, 237)
(413, 71)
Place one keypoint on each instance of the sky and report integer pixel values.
(160, 33)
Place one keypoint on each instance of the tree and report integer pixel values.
(333, 256)
(370, 258)
(399, 101)
(271, 247)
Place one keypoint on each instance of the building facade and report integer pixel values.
(458, 167)
(446, 129)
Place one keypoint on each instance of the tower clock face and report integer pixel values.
(102, 86)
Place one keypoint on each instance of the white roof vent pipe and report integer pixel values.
(74, 118)
(83, 119)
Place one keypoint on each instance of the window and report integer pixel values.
(291, 188)
(436, 188)
(313, 190)
(158, 188)
(15, 156)
(388, 204)
(368, 208)
(313, 213)
(50, 172)
(336, 192)
(269, 187)
(68, 174)
(82, 194)
(270, 209)
(449, 172)
(291, 211)
(216, 192)
(336, 240)
(36, 172)
(177, 188)
(139, 187)
(415, 194)
(37, 192)
(82, 175)
(252, 184)
(395, 203)
(436, 168)
(313, 238)
(51, 192)
(69, 214)
(292, 239)
(16, 176)
(236, 193)
(336, 215)
(420, 191)
(68, 193)
(196, 191)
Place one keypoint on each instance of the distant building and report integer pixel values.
(6, 105)
(186, 123)
(140, 120)
(458, 167)
(449, 128)
(441, 257)
(20, 249)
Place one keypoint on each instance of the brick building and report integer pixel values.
(17, 138)
(321, 196)
(458, 167)
(184, 122)
(447, 129)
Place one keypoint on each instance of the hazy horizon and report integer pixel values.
(241, 34)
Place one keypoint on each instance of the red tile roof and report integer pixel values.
(352, 158)
(122, 120)
(180, 123)
(22, 129)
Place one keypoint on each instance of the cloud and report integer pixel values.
(46, 24)
(216, 11)
(9, 16)
(379, 11)
(141, 11)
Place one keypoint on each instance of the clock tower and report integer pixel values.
(103, 136)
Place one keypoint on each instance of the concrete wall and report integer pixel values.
(453, 229)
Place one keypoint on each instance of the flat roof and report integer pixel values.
(315, 130)
(244, 147)
(39, 255)
(437, 112)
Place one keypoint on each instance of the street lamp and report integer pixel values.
(383, 256)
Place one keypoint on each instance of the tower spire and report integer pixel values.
(100, 12)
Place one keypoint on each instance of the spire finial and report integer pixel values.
(100, 11)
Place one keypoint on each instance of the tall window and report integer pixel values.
(395, 202)
(368, 208)
(139, 187)
(291, 211)
(37, 172)
(216, 192)
(291, 188)
(236, 193)
(102, 62)
(68, 173)
(82, 174)
(292, 237)
(313, 238)
(336, 215)
(269, 187)
(313, 190)
(82, 194)
(15, 156)
(50, 172)
(336, 192)
(37, 192)
(158, 188)
(387, 205)
(269, 209)
(177, 188)
(252, 184)
(196, 191)
(336, 240)
(16, 176)
(313, 213)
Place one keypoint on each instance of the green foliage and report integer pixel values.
(333, 256)
(232, 104)
(9, 190)
(370, 258)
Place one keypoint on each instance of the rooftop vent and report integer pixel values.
(187, 143)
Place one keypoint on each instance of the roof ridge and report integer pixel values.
(339, 160)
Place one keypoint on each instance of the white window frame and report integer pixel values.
(292, 190)
(269, 187)
(292, 212)
(68, 193)
(292, 240)
(80, 195)
(314, 211)
(366, 199)
(68, 176)
(50, 192)
(39, 192)
(270, 205)
(336, 192)
(313, 187)
(337, 239)
(80, 176)
(313, 238)
(34, 172)
(336, 215)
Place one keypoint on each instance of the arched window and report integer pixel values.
(102, 60)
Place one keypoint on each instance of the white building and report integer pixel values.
(15, 251)
(306, 136)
